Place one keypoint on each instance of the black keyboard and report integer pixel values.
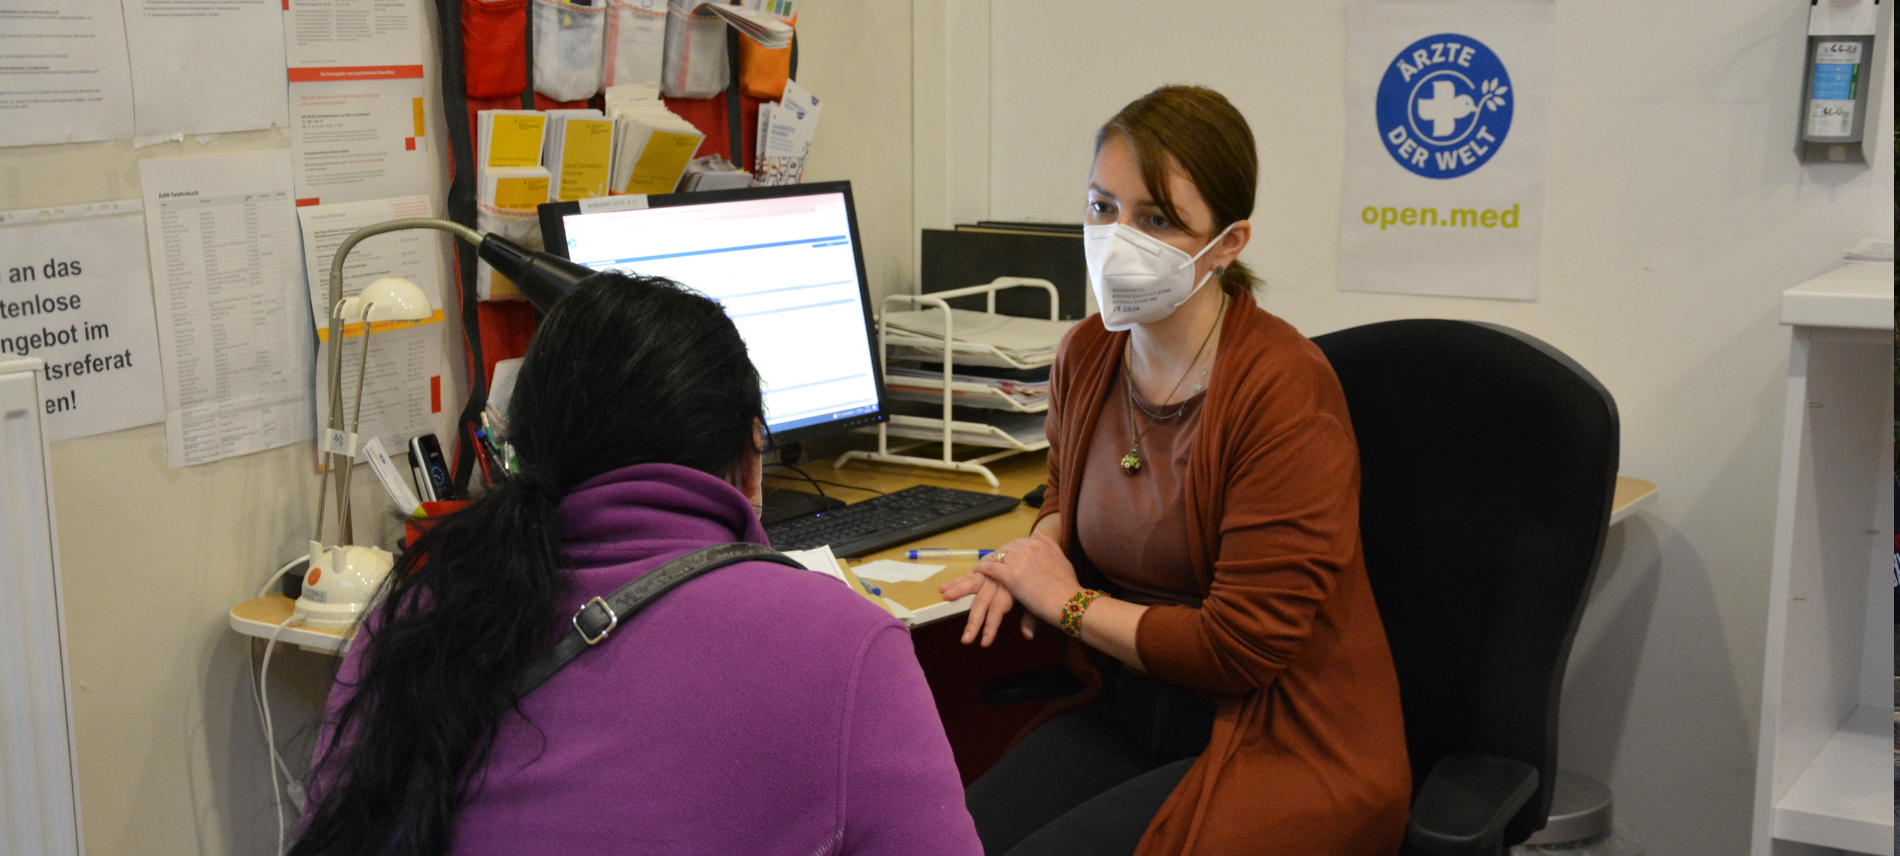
(887, 521)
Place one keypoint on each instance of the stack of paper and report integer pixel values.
(713, 173)
(764, 27)
(1025, 340)
(579, 154)
(514, 188)
(785, 134)
(971, 389)
(509, 138)
(653, 144)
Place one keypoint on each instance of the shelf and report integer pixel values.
(260, 616)
(1843, 799)
(1630, 497)
(963, 394)
(1858, 296)
(1008, 432)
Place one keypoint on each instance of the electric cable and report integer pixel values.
(270, 734)
(816, 481)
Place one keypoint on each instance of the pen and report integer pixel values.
(935, 553)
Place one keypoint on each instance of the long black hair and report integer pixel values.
(625, 370)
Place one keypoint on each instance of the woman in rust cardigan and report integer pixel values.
(1201, 529)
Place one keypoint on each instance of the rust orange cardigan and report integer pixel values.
(1308, 753)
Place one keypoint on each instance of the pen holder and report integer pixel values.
(413, 527)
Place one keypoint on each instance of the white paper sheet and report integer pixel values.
(403, 389)
(889, 571)
(76, 294)
(410, 253)
(233, 324)
(206, 66)
(358, 139)
(1447, 118)
(64, 76)
(346, 33)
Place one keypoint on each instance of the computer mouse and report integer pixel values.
(1033, 499)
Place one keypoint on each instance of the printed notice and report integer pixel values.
(63, 72)
(355, 139)
(1447, 118)
(205, 66)
(402, 389)
(410, 253)
(233, 324)
(76, 295)
(352, 33)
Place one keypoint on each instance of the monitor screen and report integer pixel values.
(786, 264)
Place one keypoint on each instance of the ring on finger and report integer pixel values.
(998, 556)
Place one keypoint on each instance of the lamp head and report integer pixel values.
(543, 278)
(387, 299)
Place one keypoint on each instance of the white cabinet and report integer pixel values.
(39, 796)
(1823, 759)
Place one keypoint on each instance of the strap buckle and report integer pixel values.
(613, 620)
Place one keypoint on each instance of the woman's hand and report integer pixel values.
(1032, 571)
(992, 602)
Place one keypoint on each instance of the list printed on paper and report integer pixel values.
(233, 324)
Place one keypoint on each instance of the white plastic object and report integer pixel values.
(391, 298)
(341, 583)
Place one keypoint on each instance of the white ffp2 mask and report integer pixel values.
(1138, 278)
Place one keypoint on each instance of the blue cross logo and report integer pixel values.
(1444, 106)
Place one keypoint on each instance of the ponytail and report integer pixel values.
(625, 370)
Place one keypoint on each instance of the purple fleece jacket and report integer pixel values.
(758, 709)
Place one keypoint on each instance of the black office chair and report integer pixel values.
(1488, 463)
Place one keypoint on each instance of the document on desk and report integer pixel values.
(233, 326)
(889, 571)
(402, 391)
(64, 77)
(206, 66)
(411, 253)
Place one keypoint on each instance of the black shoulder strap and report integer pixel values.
(598, 617)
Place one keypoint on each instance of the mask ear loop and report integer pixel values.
(1219, 270)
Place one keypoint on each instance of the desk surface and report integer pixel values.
(1018, 475)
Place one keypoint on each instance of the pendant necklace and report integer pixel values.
(1131, 462)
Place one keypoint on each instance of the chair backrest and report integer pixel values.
(1488, 463)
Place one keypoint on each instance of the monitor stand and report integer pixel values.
(781, 504)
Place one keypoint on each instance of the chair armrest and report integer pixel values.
(1049, 682)
(1465, 802)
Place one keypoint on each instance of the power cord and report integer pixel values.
(270, 735)
(816, 483)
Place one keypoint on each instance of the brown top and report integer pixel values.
(1308, 751)
(1143, 547)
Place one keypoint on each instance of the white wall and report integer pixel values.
(1677, 214)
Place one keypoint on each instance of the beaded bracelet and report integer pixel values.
(1071, 622)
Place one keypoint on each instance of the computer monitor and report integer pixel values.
(784, 261)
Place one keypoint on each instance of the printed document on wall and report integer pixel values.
(206, 66)
(63, 72)
(410, 253)
(233, 322)
(346, 34)
(354, 139)
(1447, 120)
(75, 293)
(402, 390)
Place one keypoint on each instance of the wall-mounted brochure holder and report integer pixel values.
(1845, 73)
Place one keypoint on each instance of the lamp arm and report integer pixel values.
(335, 419)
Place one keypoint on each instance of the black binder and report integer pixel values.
(976, 254)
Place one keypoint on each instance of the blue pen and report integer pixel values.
(933, 553)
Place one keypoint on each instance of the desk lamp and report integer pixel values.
(343, 579)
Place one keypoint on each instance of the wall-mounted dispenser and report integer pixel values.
(1845, 73)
